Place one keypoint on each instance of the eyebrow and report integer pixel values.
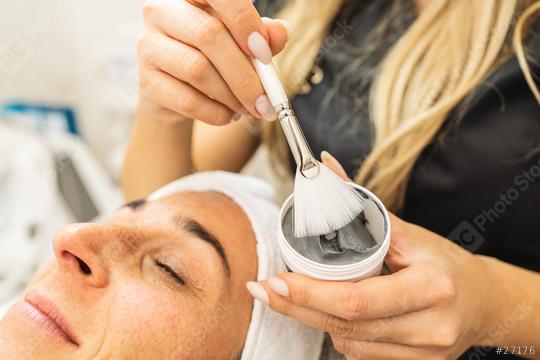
(135, 204)
(195, 228)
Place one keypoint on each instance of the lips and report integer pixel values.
(45, 314)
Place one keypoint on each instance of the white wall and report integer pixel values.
(74, 53)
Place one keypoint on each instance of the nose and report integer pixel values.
(85, 251)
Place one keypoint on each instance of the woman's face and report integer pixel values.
(161, 280)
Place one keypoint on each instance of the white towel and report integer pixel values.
(270, 335)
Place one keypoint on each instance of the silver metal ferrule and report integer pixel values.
(306, 162)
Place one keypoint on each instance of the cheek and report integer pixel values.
(43, 272)
(145, 320)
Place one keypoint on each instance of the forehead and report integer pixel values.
(208, 206)
(215, 211)
(204, 206)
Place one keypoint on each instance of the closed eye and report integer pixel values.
(173, 274)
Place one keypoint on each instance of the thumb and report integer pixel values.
(406, 243)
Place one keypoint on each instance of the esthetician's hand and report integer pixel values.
(194, 59)
(432, 306)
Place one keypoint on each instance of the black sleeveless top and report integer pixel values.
(479, 184)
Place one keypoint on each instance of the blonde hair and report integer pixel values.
(448, 51)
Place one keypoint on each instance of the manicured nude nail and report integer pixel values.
(283, 22)
(236, 117)
(257, 291)
(278, 286)
(265, 108)
(259, 47)
(326, 156)
(287, 26)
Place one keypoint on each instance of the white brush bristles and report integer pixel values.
(324, 203)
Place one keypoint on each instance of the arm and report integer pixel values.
(161, 150)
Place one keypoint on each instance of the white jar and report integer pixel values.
(378, 226)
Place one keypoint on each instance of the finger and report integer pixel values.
(378, 297)
(421, 328)
(277, 29)
(334, 165)
(379, 350)
(212, 38)
(408, 245)
(399, 235)
(396, 221)
(189, 65)
(245, 25)
(164, 90)
(371, 330)
(278, 32)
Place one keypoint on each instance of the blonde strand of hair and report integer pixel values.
(517, 41)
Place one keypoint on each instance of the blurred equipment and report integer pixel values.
(48, 178)
(42, 117)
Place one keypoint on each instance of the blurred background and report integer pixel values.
(68, 88)
(67, 93)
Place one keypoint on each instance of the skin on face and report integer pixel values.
(123, 303)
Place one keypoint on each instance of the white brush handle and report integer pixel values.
(308, 165)
(271, 83)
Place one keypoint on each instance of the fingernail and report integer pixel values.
(265, 108)
(236, 117)
(278, 286)
(287, 26)
(257, 291)
(259, 47)
(326, 156)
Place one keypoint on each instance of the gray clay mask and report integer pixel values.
(351, 244)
